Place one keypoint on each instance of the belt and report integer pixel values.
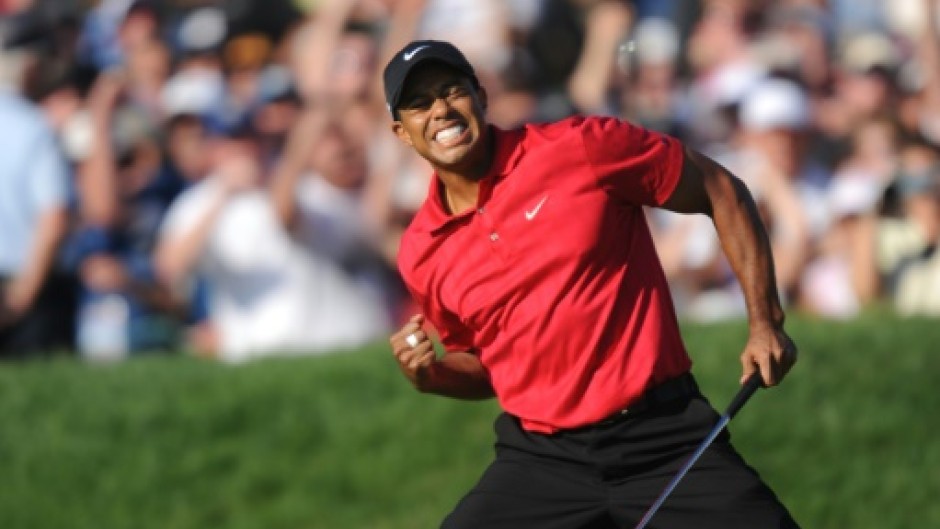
(681, 387)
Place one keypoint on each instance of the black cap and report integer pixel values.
(415, 53)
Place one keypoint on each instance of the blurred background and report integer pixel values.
(217, 180)
(219, 177)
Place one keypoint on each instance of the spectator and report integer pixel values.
(244, 57)
(841, 277)
(574, 48)
(720, 56)
(185, 146)
(276, 110)
(903, 231)
(775, 121)
(398, 179)
(36, 308)
(907, 246)
(267, 293)
(652, 99)
(924, 67)
(124, 190)
(324, 207)
(917, 288)
(796, 40)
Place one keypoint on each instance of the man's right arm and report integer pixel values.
(23, 290)
(294, 161)
(181, 244)
(46, 191)
(458, 375)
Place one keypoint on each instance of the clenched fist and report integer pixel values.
(413, 349)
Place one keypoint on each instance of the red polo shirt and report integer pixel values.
(553, 280)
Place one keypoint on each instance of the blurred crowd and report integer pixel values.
(219, 176)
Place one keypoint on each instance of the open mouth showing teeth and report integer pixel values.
(449, 133)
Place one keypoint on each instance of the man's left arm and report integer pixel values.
(23, 290)
(707, 187)
(46, 183)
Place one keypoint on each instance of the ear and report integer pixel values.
(399, 130)
(484, 99)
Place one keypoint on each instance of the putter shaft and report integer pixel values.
(737, 402)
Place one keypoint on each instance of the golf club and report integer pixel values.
(748, 389)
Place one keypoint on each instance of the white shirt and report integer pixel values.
(268, 293)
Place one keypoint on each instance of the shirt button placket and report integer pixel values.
(494, 236)
(493, 232)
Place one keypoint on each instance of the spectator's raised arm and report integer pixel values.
(607, 23)
(318, 43)
(190, 221)
(98, 174)
(929, 52)
(790, 236)
(302, 138)
(402, 29)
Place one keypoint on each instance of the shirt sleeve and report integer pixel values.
(184, 213)
(635, 164)
(180, 216)
(48, 181)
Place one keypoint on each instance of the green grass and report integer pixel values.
(341, 441)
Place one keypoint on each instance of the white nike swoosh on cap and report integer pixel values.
(409, 54)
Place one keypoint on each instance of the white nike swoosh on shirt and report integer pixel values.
(529, 215)
(409, 54)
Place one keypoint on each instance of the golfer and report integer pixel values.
(532, 260)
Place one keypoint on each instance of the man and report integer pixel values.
(532, 259)
(269, 293)
(35, 298)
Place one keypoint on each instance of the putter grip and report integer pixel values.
(749, 388)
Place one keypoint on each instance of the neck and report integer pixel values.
(460, 194)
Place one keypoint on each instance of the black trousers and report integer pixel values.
(607, 476)
(47, 327)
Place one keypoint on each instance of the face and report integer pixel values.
(441, 116)
(352, 66)
(340, 159)
(186, 145)
(236, 160)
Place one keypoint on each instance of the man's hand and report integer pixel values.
(16, 299)
(237, 174)
(707, 187)
(456, 374)
(770, 351)
(104, 273)
(413, 358)
(105, 93)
